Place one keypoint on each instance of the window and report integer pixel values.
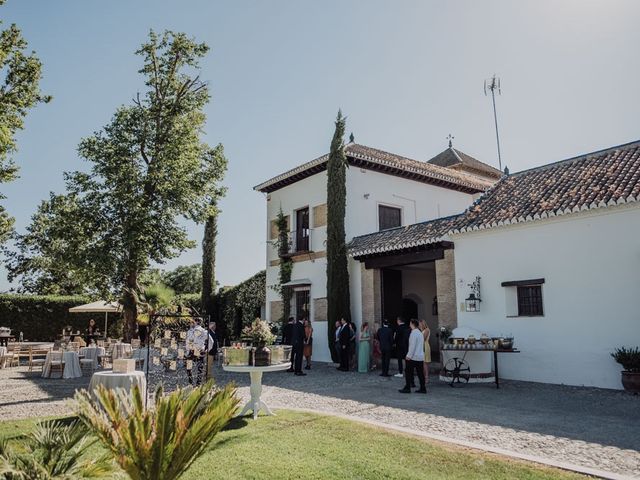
(302, 304)
(523, 298)
(529, 301)
(302, 230)
(389, 217)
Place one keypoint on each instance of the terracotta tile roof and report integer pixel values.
(402, 238)
(379, 160)
(596, 180)
(454, 158)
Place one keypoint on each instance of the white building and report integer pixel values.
(557, 250)
(384, 191)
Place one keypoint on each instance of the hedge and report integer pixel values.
(42, 317)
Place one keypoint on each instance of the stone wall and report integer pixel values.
(371, 295)
(446, 287)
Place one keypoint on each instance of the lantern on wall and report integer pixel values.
(472, 302)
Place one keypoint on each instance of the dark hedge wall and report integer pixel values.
(42, 317)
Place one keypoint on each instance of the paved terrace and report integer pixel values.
(590, 427)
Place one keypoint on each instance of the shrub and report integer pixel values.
(158, 443)
(629, 358)
(54, 450)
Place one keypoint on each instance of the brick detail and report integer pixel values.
(446, 288)
(273, 231)
(275, 310)
(371, 295)
(320, 215)
(320, 309)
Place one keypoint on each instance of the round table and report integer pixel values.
(255, 403)
(126, 381)
(71, 365)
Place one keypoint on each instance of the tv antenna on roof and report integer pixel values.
(493, 85)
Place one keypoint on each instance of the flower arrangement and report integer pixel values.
(445, 333)
(259, 332)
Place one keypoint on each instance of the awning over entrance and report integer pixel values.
(399, 240)
(300, 282)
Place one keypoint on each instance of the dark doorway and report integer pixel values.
(409, 309)
(302, 304)
(391, 295)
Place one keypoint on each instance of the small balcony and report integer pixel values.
(299, 241)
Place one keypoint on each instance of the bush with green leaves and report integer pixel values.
(54, 450)
(161, 442)
(629, 358)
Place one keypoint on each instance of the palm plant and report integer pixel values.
(53, 450)
(159, 443)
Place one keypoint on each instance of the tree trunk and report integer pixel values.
(130, 306)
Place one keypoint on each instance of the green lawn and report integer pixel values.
(302, 445)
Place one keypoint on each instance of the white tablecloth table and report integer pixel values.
(92, 353)
(71, 365)
(3, 352)
(255, 403)
(126, 381)
(121, 350)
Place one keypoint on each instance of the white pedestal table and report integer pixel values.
(255, 403)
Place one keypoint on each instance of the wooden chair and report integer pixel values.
(37, 358)
(56, 364)
(86, 366)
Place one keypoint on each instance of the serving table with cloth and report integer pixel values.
(126, 381)
(255, 403)
(71, 365)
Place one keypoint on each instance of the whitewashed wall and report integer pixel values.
(365, 190)
(591, 265)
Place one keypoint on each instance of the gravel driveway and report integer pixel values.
(590, 427)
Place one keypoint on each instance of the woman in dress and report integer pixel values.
(307, 349)
(364, 348)
(426, 334)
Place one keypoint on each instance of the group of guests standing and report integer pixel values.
(411, 343)
(299, 334)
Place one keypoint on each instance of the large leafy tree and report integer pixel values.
(184, 279)
(148, 169)
(338, 305)
(20, 75)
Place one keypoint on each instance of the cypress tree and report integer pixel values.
(337, 270)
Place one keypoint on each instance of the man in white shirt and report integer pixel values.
(415, 359)
(197, 341)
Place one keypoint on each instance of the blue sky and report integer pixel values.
(406, 74)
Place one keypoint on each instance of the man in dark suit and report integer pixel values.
(345, 345)
(402, 344)
(213, 349)
(385, 338)
(287, 333)
(297, 343)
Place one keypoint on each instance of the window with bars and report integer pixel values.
(530, 301)
(389, 217)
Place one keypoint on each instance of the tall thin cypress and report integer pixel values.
(209, 263)
(338, 305)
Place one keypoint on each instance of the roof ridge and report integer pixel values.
(583, 156)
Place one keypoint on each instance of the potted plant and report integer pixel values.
(629, 358)
(259, 332)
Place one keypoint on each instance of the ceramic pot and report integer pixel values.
(631, 381)
(262, 356)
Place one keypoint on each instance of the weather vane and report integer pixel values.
(450, 138)
(493, 85)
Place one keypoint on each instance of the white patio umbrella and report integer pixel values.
(98, 307)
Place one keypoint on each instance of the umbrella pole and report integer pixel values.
(106, 314)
